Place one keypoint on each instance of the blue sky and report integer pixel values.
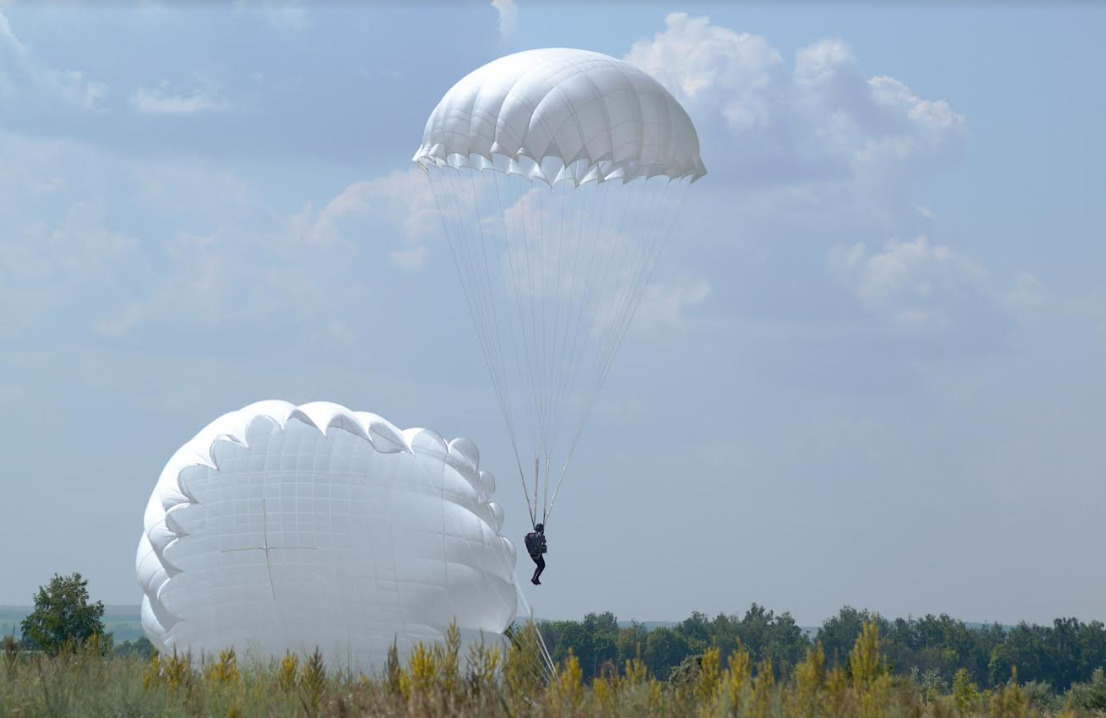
(871, 370)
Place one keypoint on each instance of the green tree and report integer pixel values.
(63, 615)
(838, 633)
(602, 632)
(665, 648)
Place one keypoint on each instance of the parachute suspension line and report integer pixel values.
(520, 358)
(619, 248)
(550, 332)
(572, 360)
(545, 497)
(609, 239)
(532, 271)
(481, 309)
(592, 206)
(664, 230)
(500, 360)
(653, 247)
(549, 667)
(625, 302)
(557, 370)
(523, 363)
(543, 244)
(528, 235)
(487, 276)
(590, 195)
(549, 349)
(455, 241)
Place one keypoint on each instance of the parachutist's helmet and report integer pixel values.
(539, 528)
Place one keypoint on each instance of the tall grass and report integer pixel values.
(442, 680)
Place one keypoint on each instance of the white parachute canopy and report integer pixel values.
(281, 529)
(558, 174)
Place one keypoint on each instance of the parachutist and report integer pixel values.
(615, 153)
(535, 546)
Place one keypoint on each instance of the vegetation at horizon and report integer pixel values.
(756, 665)
(442, 680)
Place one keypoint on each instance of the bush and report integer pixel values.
(1090, 695)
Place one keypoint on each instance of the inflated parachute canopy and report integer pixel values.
(560, 114)
(559, 175)
(281, 529)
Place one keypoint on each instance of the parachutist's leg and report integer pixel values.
(540, 561)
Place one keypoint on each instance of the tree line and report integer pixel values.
(937, 651)
(934, 649)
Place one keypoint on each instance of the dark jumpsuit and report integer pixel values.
(535, 546)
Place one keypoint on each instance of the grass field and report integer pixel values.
(440, 681)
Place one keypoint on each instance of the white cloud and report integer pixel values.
(409, 259)
(804, 152)
(301, 271)
(766, 123)
(664, 305)
(8, 38)
(30, 81)
(225, 280)
(915, 286)
(403, 198)
(508, 17)
(161, 100)
(171, 252)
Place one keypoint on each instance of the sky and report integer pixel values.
(870, 370)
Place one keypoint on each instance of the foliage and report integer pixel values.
(140, 647)
(598, 642)
(931, 650)
(88, 682)
(1090, 695)
(63, 617)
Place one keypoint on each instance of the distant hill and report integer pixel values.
(123, 622)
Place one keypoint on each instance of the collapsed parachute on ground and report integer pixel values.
(559, 174)
(281, 528)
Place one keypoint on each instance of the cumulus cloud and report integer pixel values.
(171, 253)
(403, 198)
(508, 17)
(914, 286)
(226, 281)
(806, 151)
(765, 122)
(664, 305)
(302, 272)
(161, 100)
